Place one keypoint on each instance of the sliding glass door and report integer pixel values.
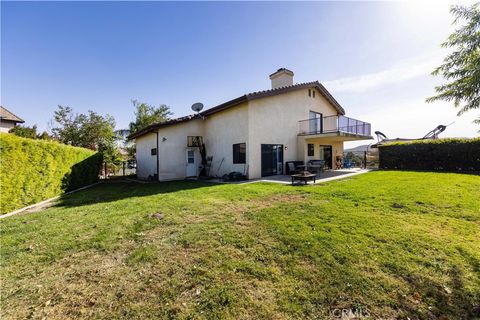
(315, 122)
(272, 159)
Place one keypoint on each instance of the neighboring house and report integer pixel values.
(8, 120)
(254, 134)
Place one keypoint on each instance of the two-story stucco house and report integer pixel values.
(254, 134)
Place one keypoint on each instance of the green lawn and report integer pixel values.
(395, 244)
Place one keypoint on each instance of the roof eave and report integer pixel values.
(246, 98)
(226, 105)
(12, 120)
(157, 126)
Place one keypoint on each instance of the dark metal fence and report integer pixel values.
(123, 169)
(360, 159)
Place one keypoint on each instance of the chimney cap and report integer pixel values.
(280, 71)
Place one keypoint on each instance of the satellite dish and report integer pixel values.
(197, 107)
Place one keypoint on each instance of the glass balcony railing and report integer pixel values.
(331, 124)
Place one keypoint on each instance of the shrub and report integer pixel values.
(432, 155)
(35, 170)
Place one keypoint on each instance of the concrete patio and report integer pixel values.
(326, 176)
(320, 177)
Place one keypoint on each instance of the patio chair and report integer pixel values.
(292, 169)
(316, 165)
(347, 164)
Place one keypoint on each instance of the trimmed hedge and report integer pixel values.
(432, 155)
(35, 170)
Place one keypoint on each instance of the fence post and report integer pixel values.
(105, 169)
(123, 168)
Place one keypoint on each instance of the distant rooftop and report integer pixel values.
(8, 116)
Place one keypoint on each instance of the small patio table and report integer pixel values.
(303, 177)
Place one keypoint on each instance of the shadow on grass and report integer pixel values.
(449, 301)
(114, 191)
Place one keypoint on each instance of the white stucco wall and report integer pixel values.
(270, 120)
(274, 120)
(146, 163)
(173, 148)
(5, 126)
(222, 130)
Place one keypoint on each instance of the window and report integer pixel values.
(153, 151)
(190, 156)
(313, 93)
(311, 150)
(239, 152)
(194, 141)
(309, 92)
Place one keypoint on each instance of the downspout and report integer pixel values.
(158, 166)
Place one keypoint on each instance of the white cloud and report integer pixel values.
(403, 71)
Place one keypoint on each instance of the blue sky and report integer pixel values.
(375, 57)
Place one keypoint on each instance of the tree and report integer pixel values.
(24, 131)
(110, 153)
(121, 137)
(29, 132)
(83, 130)
(44, 136)
(90, 130)
(461, 68)
(146, 114)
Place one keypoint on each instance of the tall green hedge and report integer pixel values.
(35, 170)
(432, 155)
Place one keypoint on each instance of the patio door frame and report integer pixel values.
(328, 147)
(277, 159)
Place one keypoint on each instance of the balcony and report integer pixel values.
(334, 125)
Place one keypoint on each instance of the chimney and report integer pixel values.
(281, 78)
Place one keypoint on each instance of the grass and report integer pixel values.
(388, 244)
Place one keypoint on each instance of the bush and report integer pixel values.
(432, 155)
(35, 170)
